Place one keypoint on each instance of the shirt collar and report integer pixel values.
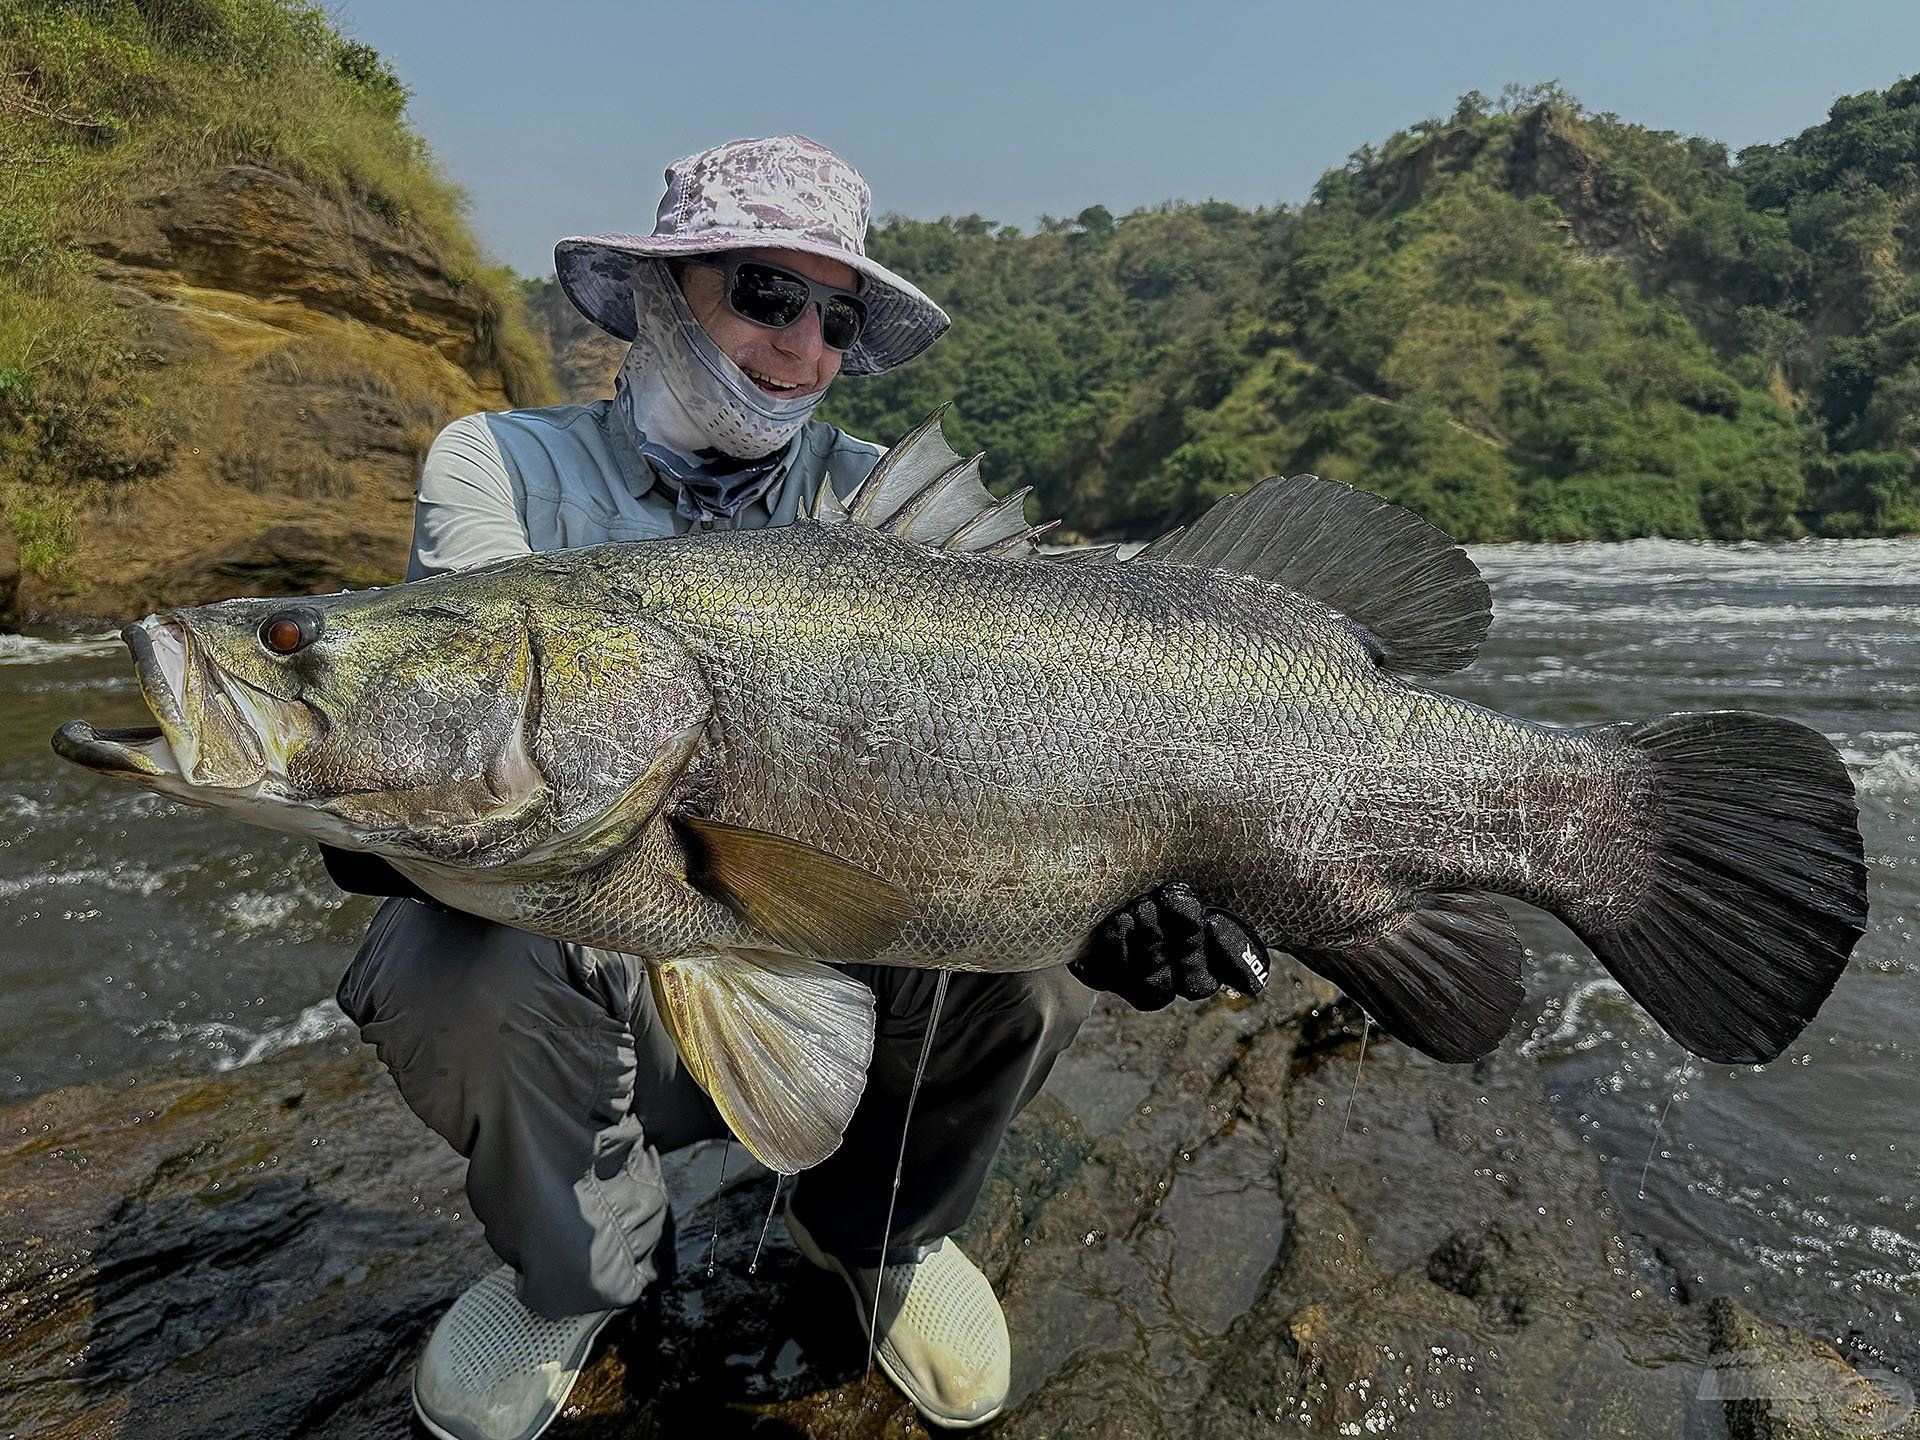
(640, 476)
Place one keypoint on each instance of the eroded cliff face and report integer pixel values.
(585, 358)
(1549, 158)
(303, 351)
(1547, 155)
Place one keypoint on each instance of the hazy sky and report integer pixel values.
(558, 118)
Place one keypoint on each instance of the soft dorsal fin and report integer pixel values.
(1407, 584)
(1087, 555)
(922, 491)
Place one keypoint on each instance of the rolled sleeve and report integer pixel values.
(466, 512)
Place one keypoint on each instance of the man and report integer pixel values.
(544, 1063)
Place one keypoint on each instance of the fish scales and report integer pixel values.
(1021, 747)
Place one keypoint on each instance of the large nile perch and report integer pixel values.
(895, 732)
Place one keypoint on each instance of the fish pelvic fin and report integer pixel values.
(925, 492)
(1414, 592)
(1444, 978)
(796, 894)
(1755, 890)
(779, 1043)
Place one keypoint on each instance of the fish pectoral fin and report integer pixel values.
(795, 894)
(1444, 978)
(781, 1044)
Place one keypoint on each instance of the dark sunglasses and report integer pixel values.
(776, 297)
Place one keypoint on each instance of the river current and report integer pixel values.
(136, 934)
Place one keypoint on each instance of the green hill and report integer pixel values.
(237, 298)
(1525, 321)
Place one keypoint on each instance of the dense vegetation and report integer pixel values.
(1525, 320)
(104, 101)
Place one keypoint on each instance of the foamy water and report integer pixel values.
(1791, 1185)
(42, 650)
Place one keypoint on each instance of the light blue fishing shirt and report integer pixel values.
(518, 481)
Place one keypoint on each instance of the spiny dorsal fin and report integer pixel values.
(1444, 978)
(794, 893)
(922, 491)
(826, 506)
(1407, 584)
(781, 1045)
(1087, 555)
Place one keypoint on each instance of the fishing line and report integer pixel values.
(900, 1165)
(719, 1189)
(1366, 1028)
(1679, 1088)
(753, 1265)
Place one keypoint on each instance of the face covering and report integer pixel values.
(694, 413)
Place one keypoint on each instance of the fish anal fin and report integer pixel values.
(1415, 592)
(780, 1044)
(1445, 978)
(795, 894)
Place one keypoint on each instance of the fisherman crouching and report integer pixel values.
(543, 1062)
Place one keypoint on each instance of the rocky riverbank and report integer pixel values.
(1206, 1226)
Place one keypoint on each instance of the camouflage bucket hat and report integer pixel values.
(786, 193)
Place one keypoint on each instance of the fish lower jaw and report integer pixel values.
(138, 752)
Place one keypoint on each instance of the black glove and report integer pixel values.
(1167, 943)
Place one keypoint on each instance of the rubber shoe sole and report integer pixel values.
(575, 1359)
(819, 1258)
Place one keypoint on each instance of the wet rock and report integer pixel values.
(1777, 1384)
(1474, 1263)
(287, 1230)
(1215, 1222)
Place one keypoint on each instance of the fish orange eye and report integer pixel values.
(290, 630)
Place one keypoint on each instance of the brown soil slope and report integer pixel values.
(585, 358)
(304, 351)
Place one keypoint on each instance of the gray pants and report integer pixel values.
(545, 1065)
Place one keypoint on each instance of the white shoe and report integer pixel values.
(494, 1370)
(941, 1337)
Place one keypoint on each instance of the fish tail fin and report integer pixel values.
(1752, 883)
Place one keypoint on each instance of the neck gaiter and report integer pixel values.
(695, 416)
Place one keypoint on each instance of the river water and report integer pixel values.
(135, 933)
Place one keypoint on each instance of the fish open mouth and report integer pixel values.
(186, 696)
